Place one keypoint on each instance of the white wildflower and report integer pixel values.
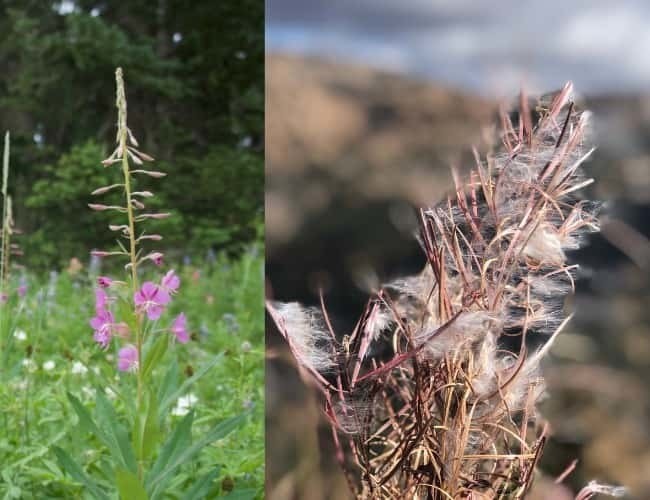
(88, 391)
(29, 364)
(20, 385)
(49, 365)
(78, 368)
(20, 335)
(184, 405)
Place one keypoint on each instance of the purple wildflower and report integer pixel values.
(151, 299)
(179, 328)
(22, 290)
(170, 282)
(104, 281)
(127, 358)
(102, 323)
(4, 297)
(101, 299)
(122, 330)
(156, 258)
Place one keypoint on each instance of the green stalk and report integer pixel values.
(6, 243)
(122, 134)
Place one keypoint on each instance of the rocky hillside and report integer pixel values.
(343, 133)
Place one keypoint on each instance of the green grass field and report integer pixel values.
(48, 351)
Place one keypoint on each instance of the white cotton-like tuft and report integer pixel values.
(380, 320)
(545, 245)
(549, 286)
(526, 388)
(468, 328)
(308, 336)
(594, 487)
(484, 380)
(418, 286)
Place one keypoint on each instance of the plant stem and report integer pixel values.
(5, 222)
(5, 248)
(122, 134)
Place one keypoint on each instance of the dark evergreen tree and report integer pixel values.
(195, 78)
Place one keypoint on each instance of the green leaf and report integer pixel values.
(170, 382)
(129, 486)
(202, 487)
(186, 454)
(117, 438)
(154, 354)
(85, 420)
(39, 452)
(179, 440)
(126, 314)
(172, 397)
(243, 494)
(146, 433)
(151, 428)
(77, 473)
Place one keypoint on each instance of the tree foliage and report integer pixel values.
(194, 75)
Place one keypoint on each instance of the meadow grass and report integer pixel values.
(48, 351)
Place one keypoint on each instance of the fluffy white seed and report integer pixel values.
(309, 338)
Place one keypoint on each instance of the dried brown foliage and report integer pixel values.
(433, 394)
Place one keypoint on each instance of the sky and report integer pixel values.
(489, 47)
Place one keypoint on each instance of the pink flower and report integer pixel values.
(179, 328)
(151, 299)
(156, 258)
(102, 323)
(122, 330)
(170, 282)
(22, 290)
(101, 299)
(3, 297)
(127, 358)
(104, 281)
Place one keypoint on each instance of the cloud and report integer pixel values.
(485, 46)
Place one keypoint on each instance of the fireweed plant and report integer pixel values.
(434, 392)
(130, 318)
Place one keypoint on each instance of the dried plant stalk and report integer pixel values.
(7, 248)
(7, 221)
(433, 395)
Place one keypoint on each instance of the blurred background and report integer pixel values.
(367, 105)
(194, 82)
